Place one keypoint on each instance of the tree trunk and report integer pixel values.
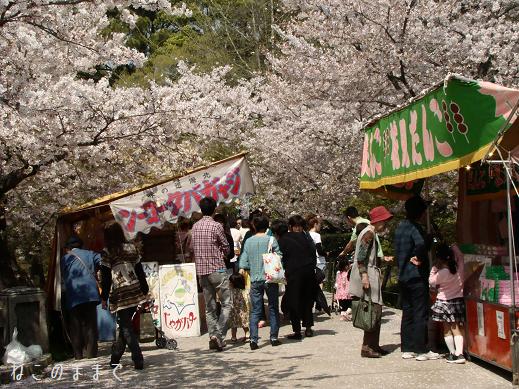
(10, 272)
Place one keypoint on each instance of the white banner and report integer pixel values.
(163, 203)
(179, 300)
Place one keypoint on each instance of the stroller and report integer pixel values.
(161, 340)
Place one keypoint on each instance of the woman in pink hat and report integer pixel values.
(365, 279)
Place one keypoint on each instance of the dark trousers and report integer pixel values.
(126, 336)
(83, 330)
(301, 289)
(371, 339)
(415, 314)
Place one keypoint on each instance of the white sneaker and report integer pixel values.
(408, 355)
(428, 356)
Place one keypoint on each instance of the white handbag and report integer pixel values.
(272, 266)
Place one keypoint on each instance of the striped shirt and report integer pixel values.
(210, 246)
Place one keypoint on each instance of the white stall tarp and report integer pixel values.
(166, 202)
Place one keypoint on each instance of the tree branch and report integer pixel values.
(15, 177)
(53, 33)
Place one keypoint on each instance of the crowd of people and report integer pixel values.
(229, 260)
(298, 241)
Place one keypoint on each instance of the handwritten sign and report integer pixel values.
(151, 271)
(155, 206)
(179, 300)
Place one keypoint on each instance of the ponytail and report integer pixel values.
(445, 254)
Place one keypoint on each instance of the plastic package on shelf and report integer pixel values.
(485, 280)
(496, 285)
(484, 249)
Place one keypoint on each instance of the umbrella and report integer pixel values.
(320, 299)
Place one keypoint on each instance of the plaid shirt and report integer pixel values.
(409, 242)
(209, 246)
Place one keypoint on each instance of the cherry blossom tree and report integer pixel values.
(342, 62)
(66, 139)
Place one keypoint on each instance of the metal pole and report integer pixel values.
(511, 251)
(511, 258)
(428, 220)
(429, 229)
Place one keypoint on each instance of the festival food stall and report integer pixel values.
(469, 126)
(148, 215)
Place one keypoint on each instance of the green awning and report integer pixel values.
(450, 126)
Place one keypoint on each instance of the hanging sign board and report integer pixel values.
(151, 271)
(163, 203)
(488, 179)
(447, 128)
(179, 300)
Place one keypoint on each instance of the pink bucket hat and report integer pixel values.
(379, 214)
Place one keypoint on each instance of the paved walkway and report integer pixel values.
(331, 359)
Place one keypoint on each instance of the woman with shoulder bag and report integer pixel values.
(251, 259)
(365, 279)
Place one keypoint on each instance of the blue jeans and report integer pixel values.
(257, 289)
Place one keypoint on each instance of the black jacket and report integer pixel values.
(298, 252)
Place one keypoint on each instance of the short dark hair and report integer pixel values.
(444, 253)
(74, 242)
(220, 218)
(207, 206)
(237, 281)
(352, 212)
(415, 207)
(260, 223)
(342, 264)
(253, 214)
(279, 227)
(297, 221)
(183, 223)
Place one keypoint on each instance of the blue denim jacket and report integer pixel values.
(78, 280)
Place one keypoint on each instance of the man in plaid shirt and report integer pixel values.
(210, 247)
